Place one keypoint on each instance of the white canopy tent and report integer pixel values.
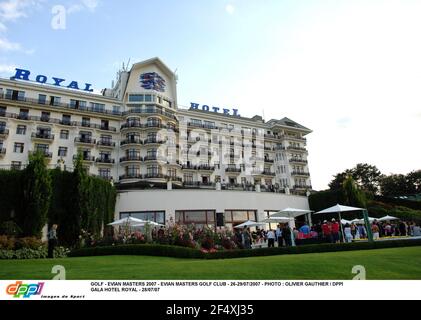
(150, 223)
(273, 219)
(250, 224)
(291, 213)
(129, 221)
(388, 218)
(338, 209)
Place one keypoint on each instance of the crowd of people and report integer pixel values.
(326, 231)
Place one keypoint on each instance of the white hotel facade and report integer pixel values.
(168, 163)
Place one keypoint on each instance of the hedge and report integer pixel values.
(187, 253)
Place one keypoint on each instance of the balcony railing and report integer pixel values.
(43, 136)
(105, 161)
(89, 141)
(46, 154)
(149, 111)
(199, 168)
(139, 125)
(153, 141)
(269, 160)
(106, 143)
(294, 160)
(131, 158)
(301, 173)
(297, 148)
(4, 132)
(149, 177)
(233, 170)
(131, 141)
(86, 158)
(29, 101)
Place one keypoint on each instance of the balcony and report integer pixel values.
(302, 187)
(153, 141)
(130, 177)
(267, 160)
(131, 158)
(30, 102)
(43, 136)
(299, 149)
(300, 173)
(296, 138)
(105, 161)
(269, 173)
(132, 125)
(233, 170)
(295, 160)
(85, 158)
(2, 153)
(47, 155)
(85, 141)
(150, 112)
(4, 133)
(198, 168)
(129, 142)
(106, 144)
(150, 158)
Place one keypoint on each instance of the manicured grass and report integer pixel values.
(384, 264)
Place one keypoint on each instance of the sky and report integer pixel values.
(348, 69)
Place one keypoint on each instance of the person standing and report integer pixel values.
(348, 233)
(286, 235)
(247, 238)
(376, 231)
(271, 238)
(327, 232)
(52, 241)
(335, 231)
(278, 235)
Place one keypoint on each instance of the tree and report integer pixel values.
(366, 176)
(37, 194)
(395, 185)
(414, 179)
(352, 194)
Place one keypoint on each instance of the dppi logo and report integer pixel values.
(19, 290)
(152, 81)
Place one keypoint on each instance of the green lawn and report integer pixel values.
(385, 264)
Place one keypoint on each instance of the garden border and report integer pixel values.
(188, 253)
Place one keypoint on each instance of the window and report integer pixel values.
(55, 101)
(43, 148)
(188, 178)
(21, 130)
(64, 134)
(172, 173)
(18, 148)
(136, 98)
(196, 122)
(98, 107)
(16, 165)
(23, 114)
(133, 154)
(106, 140)
(104, 173)
(77, 104)
(205, 217)
(132, 171)
(152, 153)
(15, 95)
(237, 217)
(42, 99)
(209, 125)
(66, 120)
(154, 122)
(153, 171)
(105, 125)
(86, 122)
(62, 152)
(45, 116)
(3, 111)
(148, 98)
(116, 109)
(167, 103)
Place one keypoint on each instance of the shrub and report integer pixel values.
(7, 243)
(180, 252)
(27, 253)
(10, 228)
(28, 243)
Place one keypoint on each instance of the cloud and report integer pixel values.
(82, 5)
(230, 9)
(6, 45)
(7, 68)
(11, 10)
(3, 28)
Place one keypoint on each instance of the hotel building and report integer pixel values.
(202, 165)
